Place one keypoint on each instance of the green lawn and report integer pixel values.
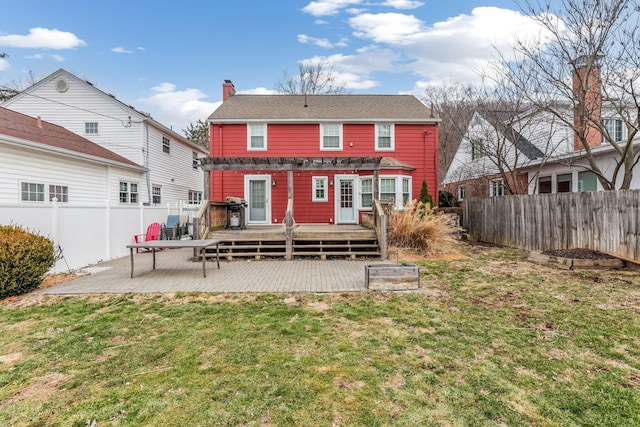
(492, 340)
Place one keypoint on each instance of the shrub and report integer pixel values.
(420, 227)
(445, 199)
(24, 258)
(425, 197)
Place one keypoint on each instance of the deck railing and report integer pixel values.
(202, 220)
(289, 224)
(380, 226)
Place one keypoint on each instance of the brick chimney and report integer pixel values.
(39, 122)
(587, 90)
(227, 90)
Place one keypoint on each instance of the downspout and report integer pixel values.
(220, 155)
(436, 167)
(146, 162)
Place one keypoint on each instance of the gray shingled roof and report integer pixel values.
(395, 108)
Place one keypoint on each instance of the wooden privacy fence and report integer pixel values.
(604, 221)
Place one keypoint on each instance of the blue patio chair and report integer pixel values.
(171, 229)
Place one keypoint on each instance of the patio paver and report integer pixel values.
(176, 273)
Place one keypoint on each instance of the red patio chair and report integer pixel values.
(153, 233)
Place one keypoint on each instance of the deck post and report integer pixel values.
(375, 195)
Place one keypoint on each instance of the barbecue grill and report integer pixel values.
(235, 212)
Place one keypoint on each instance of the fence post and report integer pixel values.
(107, 229)
(55, 220)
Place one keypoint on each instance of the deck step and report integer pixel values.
(316, 243)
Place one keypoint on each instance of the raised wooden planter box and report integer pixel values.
(576, 264)
(391, 277)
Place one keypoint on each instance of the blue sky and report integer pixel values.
(170, 58)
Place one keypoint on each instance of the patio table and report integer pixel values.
(197, 245)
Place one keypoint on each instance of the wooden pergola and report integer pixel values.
(291, 164)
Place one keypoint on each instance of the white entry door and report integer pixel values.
(257, 193)
(345, 198)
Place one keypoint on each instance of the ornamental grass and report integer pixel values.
(418, 226)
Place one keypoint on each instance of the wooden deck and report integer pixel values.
(309, 240)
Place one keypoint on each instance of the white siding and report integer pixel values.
(135, 139)
(87, 182)
(173, 171)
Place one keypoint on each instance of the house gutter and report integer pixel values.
(70, 153)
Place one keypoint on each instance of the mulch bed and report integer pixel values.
(578, 254)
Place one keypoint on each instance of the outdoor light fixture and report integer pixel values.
(331, 181)
(273, 183)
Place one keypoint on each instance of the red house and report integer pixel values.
(322, 152)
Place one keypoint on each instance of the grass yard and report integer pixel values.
(491, 340)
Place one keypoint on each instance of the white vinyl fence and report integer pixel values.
(88, 234)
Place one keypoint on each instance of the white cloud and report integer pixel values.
(141, 48)
(120, 49)
(391, 28)
(258, 91)
(178, 108)
(456, 49)
(403, 4)
(42, 38)
(324, 43)
(55, 56)
(327, 7)
(4, 64)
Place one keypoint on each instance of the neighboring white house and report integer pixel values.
(545, 156)
(541, 152)
(40, 161)
(168, 158)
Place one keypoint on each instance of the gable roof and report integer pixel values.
(141, 115)
(305, 108)
(498, 119)
(28, 129)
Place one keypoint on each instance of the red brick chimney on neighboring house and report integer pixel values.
(587, 90)
(227, 90)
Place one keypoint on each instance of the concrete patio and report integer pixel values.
(176, 273)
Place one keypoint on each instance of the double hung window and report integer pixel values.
(331, 136)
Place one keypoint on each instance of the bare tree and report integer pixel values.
(11, 89)
(586, 73)
(454, 104)
(504, 136)
(312, 79)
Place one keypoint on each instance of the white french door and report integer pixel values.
(257, 193)
(345, 199)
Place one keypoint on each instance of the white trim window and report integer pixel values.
(388, 189)
(91, 128)
(128, 192)
(477, 150)
(320, 189)
(366, 192)
(166, 145)
(194, 162)
(406, 190)
(31, 192)
(156, 194)
(385, 138)
(462, 192)
(60, 192)
(331, 136)
(616, 130)
(256, 136)
(195, 197)
(497, 187)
